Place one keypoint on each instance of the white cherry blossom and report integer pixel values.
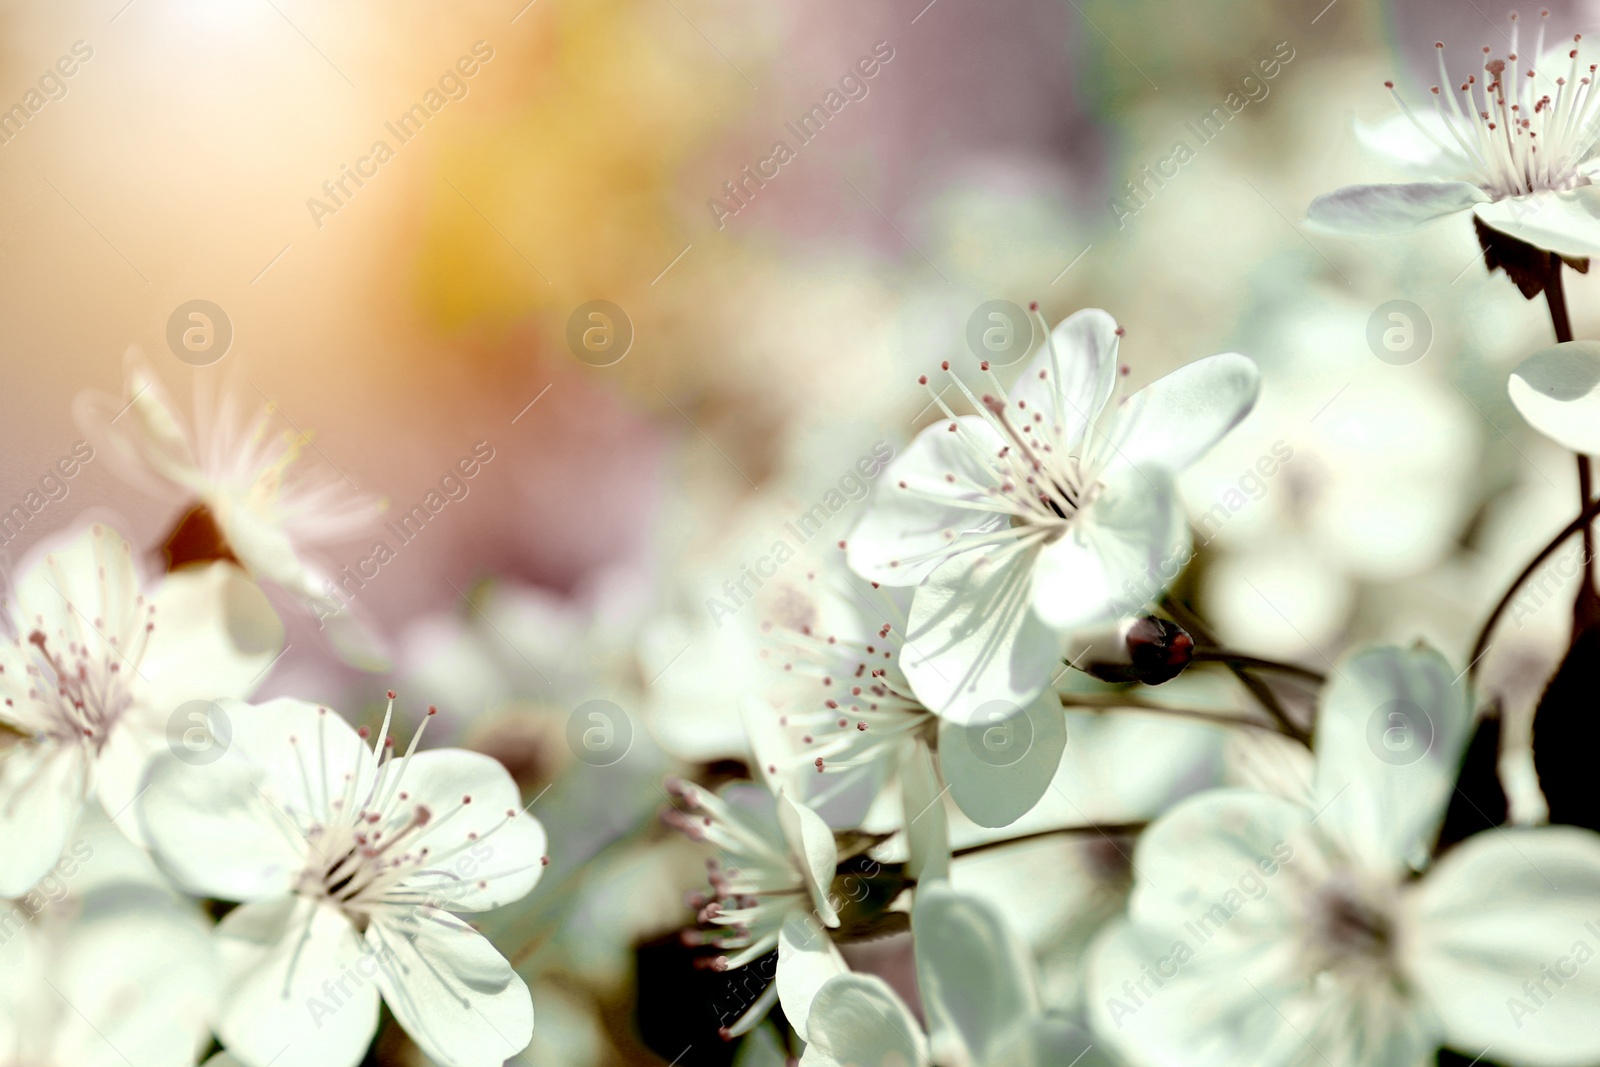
(1280, 931)
(1050, 511)
(251, 475)
(95, 666)
(349, 862)
(1515, 144)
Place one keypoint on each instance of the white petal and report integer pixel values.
(309, 753)
(299, 985)
(455, 995)
(1391, 209)
(1390, 734)
(901, 537)
(42, 790)
(1255, 1010)
(1176, 419)
(138, 433)
(214, 635)
(975, 978)
(119, 774)
(213, 830)
(1250, 854)
(1080, 365)
(974, 636)
(1557, 389)
(1397, 139)
(84, 587)
(503, 861)
(1567, 223)
(807, 959)
(857, 1021)
(1505, 907)
(1119, 555)
(1001, 761)
(128, 949)
(811, 841)
(1051, 1042)
(926, 821)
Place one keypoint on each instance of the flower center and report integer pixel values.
(78, 692)
(1349, 928)
(1521, 131)
(366, 854)
(855, 705)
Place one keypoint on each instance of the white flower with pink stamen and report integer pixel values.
(771, 888)
(854, 713)
(1517, 145)
(248, 473)
(91, 673)
(1050, 511)
(349, 861)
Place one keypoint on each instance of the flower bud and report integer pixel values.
(1140, 648)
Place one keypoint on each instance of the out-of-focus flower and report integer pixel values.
(1348, 472)
(978, 992)
(267, 506)
(124, 977)
(1521, 149)
(349, 862)
(95, 669)
(1032, 520)
(1264, 928)
(771, 888)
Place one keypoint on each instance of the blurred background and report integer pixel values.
(406, 213)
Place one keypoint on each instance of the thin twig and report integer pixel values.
(1261, 663)
(1104, 829)
(1186, 618)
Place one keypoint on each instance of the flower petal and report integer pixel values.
(488, 853)
(215, 633)
(1567, 222)
(902, 536)
(1397, 139)
(1156, 1004)
(42, 790)
(456, 996)
(215, 833)
(974, 637)
(1505, 908)
(926, 821)
(1079, 368)
(81, 587)
(1001, 762)
(1391, 209)
(1192, 860)
(1390, 733)
(1557, 389)
(807, 960)
(138, 432)
(132, 948)
(857, 1020)
(811, 841)
(298, 985)
(1050, 1042)
(1176, 419)
(1120, 554)
(975, 977)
